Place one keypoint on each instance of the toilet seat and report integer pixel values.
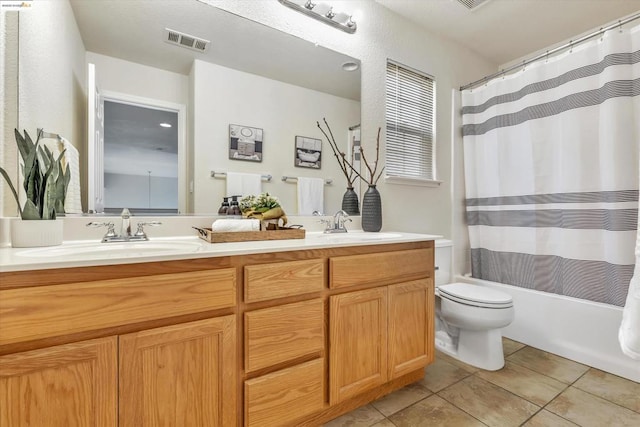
(474, 295)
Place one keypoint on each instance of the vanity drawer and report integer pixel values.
(48, 311)
(284, 279)
(380, 268)
(279, 334)
(285, 396)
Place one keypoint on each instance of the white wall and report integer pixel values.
(50, 45)
(224, 96)
(383, 34)
(136, 191)
(8, 110)
(117, 75)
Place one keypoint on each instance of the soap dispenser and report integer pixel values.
(234, 208)
(224, 208)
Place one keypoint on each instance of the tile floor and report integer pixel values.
(535, 389)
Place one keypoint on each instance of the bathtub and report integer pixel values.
(577, 329)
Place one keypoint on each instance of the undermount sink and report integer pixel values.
(112, 250)
(357, 236)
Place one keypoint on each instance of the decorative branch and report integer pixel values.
(346, 165)
(347, 168)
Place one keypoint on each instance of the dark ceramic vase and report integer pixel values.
(350, 202)
(371, 210)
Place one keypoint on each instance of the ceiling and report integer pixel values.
(135, 31)
(505, 30)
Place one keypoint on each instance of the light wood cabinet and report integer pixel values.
(310, 335)
(411, 326)
(377, 335)
(283, 333)
(358, 342)
(282, 397)
(63, 386)
(180, 375)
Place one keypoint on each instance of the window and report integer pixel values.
(410, 107)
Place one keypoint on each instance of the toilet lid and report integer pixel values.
(480, 296)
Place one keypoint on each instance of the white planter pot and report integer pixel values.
(35, 233)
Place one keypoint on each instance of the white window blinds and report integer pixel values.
(410, 124)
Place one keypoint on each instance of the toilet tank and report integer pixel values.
(444, 251)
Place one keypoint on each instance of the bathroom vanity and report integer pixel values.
(293, 333)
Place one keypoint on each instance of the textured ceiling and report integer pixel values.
(134, 31)
(505, 30)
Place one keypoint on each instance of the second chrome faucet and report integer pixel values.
(337, 226)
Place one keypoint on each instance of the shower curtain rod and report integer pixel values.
(571, 43)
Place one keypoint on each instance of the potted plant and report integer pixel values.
(45, 185)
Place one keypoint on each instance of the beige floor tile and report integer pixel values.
(557, 367)
(364, 416)
(433, 412)
(510, 346)
(528, 384)
(441, 374)
(545, 418)
(384, 423)
(611, 387)
(588, 410)
(489, 403)
(400, 399)
(441, 356)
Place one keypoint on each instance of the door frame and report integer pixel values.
(181, 110)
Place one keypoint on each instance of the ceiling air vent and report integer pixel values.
(471, 4)
(185, 40)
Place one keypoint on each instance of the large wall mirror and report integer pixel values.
(213, 73)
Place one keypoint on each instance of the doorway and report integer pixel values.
(142, 157)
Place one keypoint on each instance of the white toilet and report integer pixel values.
(469, 317)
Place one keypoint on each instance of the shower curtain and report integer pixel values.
(551, 171)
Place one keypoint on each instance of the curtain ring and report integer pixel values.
(571, 46)
(524, 65)
(547, 58)
(620, 25)
(601, 34)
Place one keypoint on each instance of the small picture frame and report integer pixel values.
(245, 143)
(308, 152)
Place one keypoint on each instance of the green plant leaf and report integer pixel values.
(30, 211)
(13, 189)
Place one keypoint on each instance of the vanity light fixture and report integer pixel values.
(165, 125)
(324, 13)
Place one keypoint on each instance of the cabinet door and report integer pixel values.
(181, 375)
(358, 342)
(411, 338)
(63, 386)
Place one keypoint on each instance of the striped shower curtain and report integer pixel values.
(551, 171)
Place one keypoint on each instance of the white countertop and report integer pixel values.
(91, 253)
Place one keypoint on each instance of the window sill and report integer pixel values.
(420, 182)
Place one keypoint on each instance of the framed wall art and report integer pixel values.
(245, 143)
(308, 152)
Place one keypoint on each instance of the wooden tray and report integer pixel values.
(247, 236)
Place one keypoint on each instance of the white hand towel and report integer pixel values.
(232, 225)
(243, 184)
(310, 195)
(72, 202)
(629, 333)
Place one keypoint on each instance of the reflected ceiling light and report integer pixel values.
(323, 12)
(350, 66)
(165, 125)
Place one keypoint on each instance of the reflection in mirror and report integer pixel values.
(248, 74)
(140, 157)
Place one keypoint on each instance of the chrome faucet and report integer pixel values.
(125, 229)
(125, 225)
(338, 222)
